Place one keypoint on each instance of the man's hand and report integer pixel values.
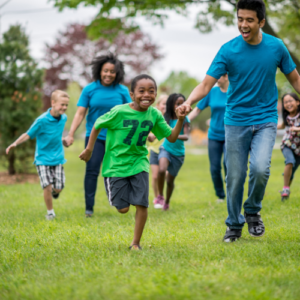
(185, 108)
(13, 145)
(181, 112)
(86, 155)
(68, 141)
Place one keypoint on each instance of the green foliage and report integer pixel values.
(181, 82)
(20, 99)
(183, 256)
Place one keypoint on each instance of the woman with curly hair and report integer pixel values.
(96, 99)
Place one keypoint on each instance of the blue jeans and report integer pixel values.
(215, 152)
(258, 141)
(291, 158)
(91, 174)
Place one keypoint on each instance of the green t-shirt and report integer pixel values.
(125, 149)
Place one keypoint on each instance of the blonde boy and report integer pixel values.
(49, 153)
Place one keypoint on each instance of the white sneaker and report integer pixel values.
(50, 217)
(220, 200)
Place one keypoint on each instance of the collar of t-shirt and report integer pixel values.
(293, 118)
(50, 117)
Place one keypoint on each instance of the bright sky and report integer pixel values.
(185, 48)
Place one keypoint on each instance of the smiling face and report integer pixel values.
(144, 95)
(249, 26)
(59, 104)
(290, 104)
(108, 74)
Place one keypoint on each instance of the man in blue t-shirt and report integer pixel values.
(216, 100)
(251, 61)
(49, 153)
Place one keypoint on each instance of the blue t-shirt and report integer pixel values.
(252, 94)
(48, 131)
(216, 100)
(99, 100)
(177, 148)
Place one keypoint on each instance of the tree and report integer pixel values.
(20, 99)
(281, 15)
(69, 58)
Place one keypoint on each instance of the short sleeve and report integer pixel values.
(84, 98)
(126, 96)
(219, 65)
(204, 102)
(287, 64)
(161, 129)
(107, 120)
(34, 129)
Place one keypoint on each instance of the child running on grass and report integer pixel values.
(153, 146)
(171, 156)
(126, 166)
(49, 153)
(290, 145)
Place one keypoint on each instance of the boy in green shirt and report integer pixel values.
(125, 166)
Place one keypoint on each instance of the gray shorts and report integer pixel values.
(125, 191)
(175, 161)
(153, 158)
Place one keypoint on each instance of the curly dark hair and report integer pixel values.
(98, 62)
(170, 112)
(285, 113)
(136, 79)
(255, 5)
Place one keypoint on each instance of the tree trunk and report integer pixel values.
(11, 164)
(269, 30)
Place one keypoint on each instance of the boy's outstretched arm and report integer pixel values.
(23, 138)
(199, 92)
(86, 154)
(176, 130)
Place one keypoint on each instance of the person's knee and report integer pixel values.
(57, 190)
(260, 170)
(215, 171)
(123, 210)
(162, 170)
(170, 182)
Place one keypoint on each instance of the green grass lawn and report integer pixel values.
(183, 254)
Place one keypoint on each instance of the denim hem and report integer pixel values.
(89, 212)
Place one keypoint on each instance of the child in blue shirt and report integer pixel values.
(49, 153)
(171, 155)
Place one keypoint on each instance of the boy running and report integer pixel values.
(251, 61)
(49, 153)
(125, 165)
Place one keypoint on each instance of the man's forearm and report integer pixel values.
(201, 90)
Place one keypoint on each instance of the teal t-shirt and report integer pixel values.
(127, 131)
(216, 100)
(48, 131)
(252, 94)
(177, 148)
(99, 100)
